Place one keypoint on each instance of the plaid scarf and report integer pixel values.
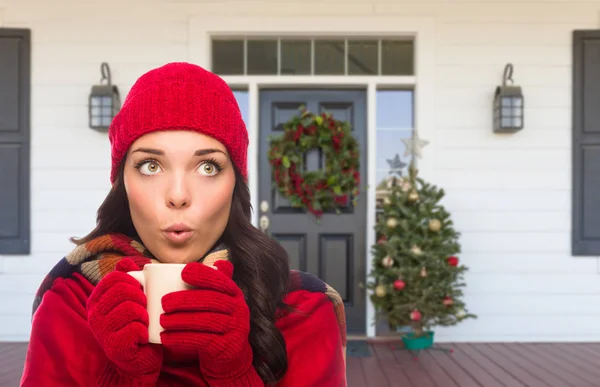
(98, 257)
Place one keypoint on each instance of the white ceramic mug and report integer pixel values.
(159, 279)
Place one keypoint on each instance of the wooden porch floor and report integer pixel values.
(469, 365)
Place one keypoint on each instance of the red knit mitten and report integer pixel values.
(118, 318)
(214, 321)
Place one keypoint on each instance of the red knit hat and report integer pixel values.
(180, 96)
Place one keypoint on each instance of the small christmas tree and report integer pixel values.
(416, 275)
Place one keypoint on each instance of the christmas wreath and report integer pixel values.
(333, 186)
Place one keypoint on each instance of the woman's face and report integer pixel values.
(180, 186)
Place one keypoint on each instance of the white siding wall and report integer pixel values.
(512, 208)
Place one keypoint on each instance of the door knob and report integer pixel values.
(264, 206)
(264, 223)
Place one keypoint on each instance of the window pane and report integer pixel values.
(397, 57)
(329, 57)
(295, 57)
(228, 57)
(241, 96)
(262, 57)
(394, 109)
(362, 57)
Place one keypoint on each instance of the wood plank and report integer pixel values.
(564, 358)
(543, 363)
(413, 369)
(373, 371)
(513, 352)
(568, 373)
(479, 367)
(354, 372)
(593, 349)
(456, 372)
(12, 358)
(437, 373)
(589, 363)
(507, 362)
(391, 368)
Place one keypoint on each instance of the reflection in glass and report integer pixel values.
(397, 57)
(329, 57)
(389, 144)
(262, 57)
(295, 57)
(362, 57)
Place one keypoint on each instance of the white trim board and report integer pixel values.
(202, 28)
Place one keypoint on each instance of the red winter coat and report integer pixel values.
(63, 351)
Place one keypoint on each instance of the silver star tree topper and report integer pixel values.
(396, 165)
(414, 145)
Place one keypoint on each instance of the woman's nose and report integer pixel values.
(178, 195)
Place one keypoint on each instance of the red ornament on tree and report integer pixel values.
(399, 284)
(453, 261)
(415, 315)
(448, 301)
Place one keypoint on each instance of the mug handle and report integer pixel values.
(138, 276)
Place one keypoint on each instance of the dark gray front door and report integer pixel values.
(333, 250)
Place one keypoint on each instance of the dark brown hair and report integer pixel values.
(261, 269)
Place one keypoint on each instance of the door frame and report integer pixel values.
(202, 28)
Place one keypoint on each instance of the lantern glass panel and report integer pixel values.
(517, 121)
(517, 101)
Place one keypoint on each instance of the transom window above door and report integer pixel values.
(313, 56)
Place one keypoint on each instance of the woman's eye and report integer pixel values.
(149, 168)
(208, 169)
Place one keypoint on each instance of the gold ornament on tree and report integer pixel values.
(413, 196)
(392, 222)
(423, 272)
(416, 250)
(387, 262)
(435, 225)
(380, 291)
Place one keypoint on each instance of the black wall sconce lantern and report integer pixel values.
(508, 105)
(104, 101)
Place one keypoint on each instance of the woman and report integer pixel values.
(179, 195)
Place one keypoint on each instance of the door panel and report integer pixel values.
(334, 250)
